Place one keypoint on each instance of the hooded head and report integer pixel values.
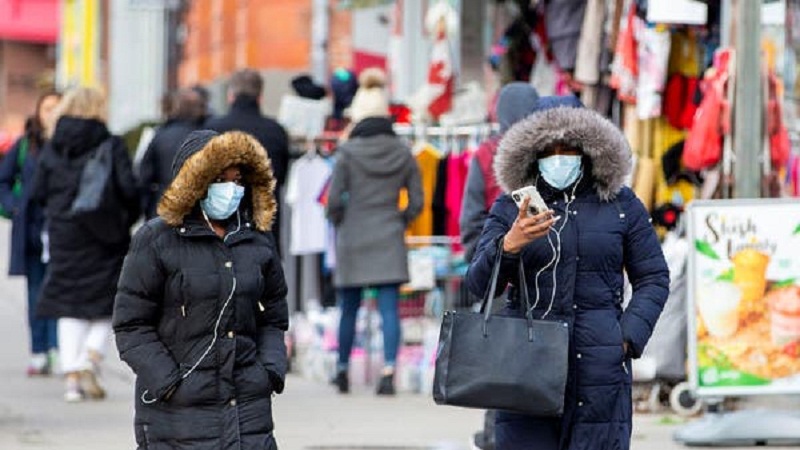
(370, 99)
(202, 157)
(564, 121)
(516, 101)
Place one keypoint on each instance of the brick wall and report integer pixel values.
(270, 35)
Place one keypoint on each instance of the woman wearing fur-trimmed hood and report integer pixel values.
(576, 253)
(201, 312)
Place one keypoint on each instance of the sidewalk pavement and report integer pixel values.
(309, 416)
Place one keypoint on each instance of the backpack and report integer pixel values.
(16, 189)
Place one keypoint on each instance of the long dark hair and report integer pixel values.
(34, 128)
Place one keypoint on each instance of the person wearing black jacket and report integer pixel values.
(85, 249)
(155, 172)
(244, 97)
(17, 171)
(201, 308)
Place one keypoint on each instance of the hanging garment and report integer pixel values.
(563, 20)
(712, 121)
(779, 144)
(653, 53)
(625, 68)
(590, 44)
(457, 166)
(439, 205)
(307, 179)
(428, 161)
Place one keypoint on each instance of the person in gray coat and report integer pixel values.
(372, 168)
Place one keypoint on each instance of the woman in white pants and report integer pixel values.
(86, 245)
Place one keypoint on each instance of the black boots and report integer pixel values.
(386, 385)
(342, 382)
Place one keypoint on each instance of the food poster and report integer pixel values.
(744, 291)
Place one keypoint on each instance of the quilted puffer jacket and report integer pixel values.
(604, 230)
(200, 319)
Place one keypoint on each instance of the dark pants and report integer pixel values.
(44, 332)
(518, 432)
(350, 300)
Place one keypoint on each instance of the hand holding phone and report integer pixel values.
(527, 228)
(536, 204)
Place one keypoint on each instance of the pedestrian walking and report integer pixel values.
(244, 96)
(86, 246)
(155, 170)
(201, 308)
(371, 169)
(17, 171)
(575, 255)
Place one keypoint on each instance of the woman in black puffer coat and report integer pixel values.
(86, 249)
(201, 310)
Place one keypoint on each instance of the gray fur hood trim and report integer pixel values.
(515, 164)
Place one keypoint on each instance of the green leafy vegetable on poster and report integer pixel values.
(726, 276)
(705, 248)
(789, 282)
(797, 230)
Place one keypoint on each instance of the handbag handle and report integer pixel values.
(486, 305)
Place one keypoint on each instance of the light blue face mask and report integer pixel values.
(222, 200)
(560, 171)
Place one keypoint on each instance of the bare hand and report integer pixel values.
(527, 229)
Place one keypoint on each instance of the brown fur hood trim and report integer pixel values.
(229, 149)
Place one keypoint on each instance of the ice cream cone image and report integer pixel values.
(718, 304)
(750, 274)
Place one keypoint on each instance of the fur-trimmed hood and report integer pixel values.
(202, 157)
(515, 164)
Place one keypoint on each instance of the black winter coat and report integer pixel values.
(86, 252)
(200, 319)
(155, 170)
(27, 216)
(604, 230)
(245, 115)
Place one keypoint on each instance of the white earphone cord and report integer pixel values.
(556, 255)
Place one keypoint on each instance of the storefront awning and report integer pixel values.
(29, 20)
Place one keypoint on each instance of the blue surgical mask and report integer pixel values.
(222, 200)
(560, 171)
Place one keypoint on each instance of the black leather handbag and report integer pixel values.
(515, 364)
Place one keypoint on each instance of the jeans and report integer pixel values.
(44, 332)
(350, 300)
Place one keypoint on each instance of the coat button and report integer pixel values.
(183, 230)
(580, 403)
(574, 306)
(231, 334)
(580, 356)
(233, 402)
(247, 224)
(228, 264)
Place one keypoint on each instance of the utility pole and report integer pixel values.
(749, 107)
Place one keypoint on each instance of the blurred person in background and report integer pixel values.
(244, 96)
(371, 169)
(155, 169)
(86, 248)
(201, 308)
(17, 171)
(515, 101)
(205, 98)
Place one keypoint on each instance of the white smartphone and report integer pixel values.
(537, 204)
